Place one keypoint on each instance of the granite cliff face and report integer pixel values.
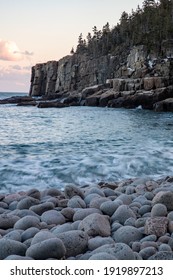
(71, 73)
(131, 79)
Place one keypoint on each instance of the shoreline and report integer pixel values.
(131, 219)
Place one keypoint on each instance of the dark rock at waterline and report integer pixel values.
(52, 104)
(17, 100)
(27, 103)
(165, 105)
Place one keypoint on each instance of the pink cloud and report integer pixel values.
(9, 51)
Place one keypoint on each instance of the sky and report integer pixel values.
(36, 31)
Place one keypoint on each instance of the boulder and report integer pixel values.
(122, 214)
(71, 190)
(96, 224)
(127, 234)
(106, 96)
(7, 221)
(42, 207)
(80, 214)
(91, 90)
(164, 105)
(11, 247)
(17, 100)
(27, 222)
(49, 248)
(92, 100)
(53, 104)
(157, 226)
(52, 217)
(120, 251)
(75, 241)
(27, 202)
(165, 198)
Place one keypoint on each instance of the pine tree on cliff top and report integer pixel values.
(149, 25)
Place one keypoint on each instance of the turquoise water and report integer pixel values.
(51, 147)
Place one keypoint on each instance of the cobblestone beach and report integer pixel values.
(127, 220)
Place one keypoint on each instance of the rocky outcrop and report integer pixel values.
(70, 73)
(130, 80)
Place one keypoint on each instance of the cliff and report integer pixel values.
(71, 73)
(131, 79)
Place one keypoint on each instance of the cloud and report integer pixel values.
(16, 67)
(27, 53)
(9, 51)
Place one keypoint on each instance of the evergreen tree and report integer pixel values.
(149, 25)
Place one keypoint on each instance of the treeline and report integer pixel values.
(148, 25)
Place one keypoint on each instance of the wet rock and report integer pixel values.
(50, 248)
(16, 99)
(34, 193)
(51, 104)
(53, 192)
(156, 226)
(165, 105)
(96, 224)
(71, 190)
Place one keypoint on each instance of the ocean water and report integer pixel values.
(42, 148)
